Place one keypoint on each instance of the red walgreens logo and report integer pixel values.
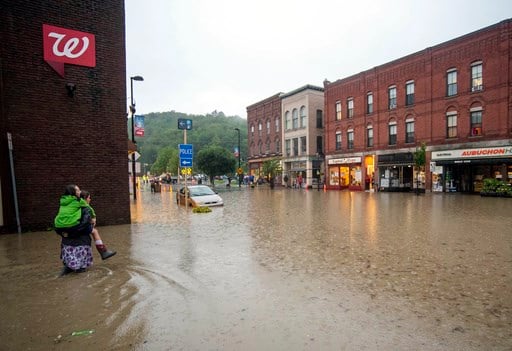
(62, 45)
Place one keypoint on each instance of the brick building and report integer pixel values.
(454, 97)
(264, 129)
(68, 126)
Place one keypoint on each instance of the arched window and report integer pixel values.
(287, 120)
(303, 118)
(295, 118)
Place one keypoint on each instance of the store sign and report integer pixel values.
(339, 161)
(63, 45)
(485, 152)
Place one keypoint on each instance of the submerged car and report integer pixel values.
(198, 195)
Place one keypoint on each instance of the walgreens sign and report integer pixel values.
(62, 45)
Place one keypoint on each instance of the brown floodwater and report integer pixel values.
(273, 270)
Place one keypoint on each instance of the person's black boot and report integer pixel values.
(65, 270)
(104, 252)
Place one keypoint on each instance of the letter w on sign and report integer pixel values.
(62, 45)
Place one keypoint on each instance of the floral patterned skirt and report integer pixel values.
(76, 257)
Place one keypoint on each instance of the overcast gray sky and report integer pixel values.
(197, 56)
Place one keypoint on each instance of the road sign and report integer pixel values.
(186, 151)
(186, 171)
(185, 124)
(185, 162)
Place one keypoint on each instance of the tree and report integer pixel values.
(163, 161)
(420, 159)
(215, 161)
(271, 169)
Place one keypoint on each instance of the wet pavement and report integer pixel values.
(273, 270)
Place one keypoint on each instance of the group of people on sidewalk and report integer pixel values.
(76, 224)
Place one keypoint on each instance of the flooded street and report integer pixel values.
(273, 270)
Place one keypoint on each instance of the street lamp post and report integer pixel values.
(132, 110)
(239, 154)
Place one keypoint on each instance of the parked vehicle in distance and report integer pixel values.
(198, 195)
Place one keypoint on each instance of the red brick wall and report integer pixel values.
(59, 139)
(491, 45)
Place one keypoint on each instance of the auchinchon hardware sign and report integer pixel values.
(62, 45)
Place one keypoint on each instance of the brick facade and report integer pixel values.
(428, 71)
(265, 143)
(58, 139)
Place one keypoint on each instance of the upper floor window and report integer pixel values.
(260, 150)
(287, 147)
(477, 81)
(295, 144)
(319, 119)
(451, 124)
(369, 136)
(392, 133)
(319, 144)
(409, 130)
(278, 145)
(268, 126)
(303, 145)
(252, 130)
(287, 121)
(476, 121)
(350, 139)
(267, 148)
(392, 97)
(295, 119)
(369, 103)
(338, 110)
(350, 107)
(451, 82)
(277, 121)
(303, 119)
(259, 128)
(338, 140)
(409, 93)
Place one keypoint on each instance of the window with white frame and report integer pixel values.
(268, 126)
(369, 136)
(409, 93)
(451, 124)
(451, 82)
(338, 110)
(409, 130)
(476, 121)
(295, 145)
(477, 81)
(369, 103)
(260, 127)
(287, 120)
(287, 144)
(350, 139)
(392, 133)
(252, 130)
(277, 122)
(295, 118)
(392, 97)
(338, 140)
(303, 118)
(350, 107)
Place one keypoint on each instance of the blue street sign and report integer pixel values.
(186, 151)
(184, 162)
